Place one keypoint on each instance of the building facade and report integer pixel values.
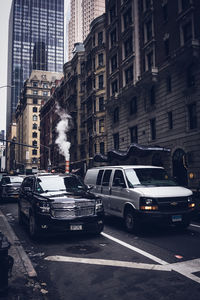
(75, 29)
(94, 99)
(36, 41)
(91, 9)
(83, 12)
(35, 93)
(154, 101)
(50, 157)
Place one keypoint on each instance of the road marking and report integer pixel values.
(195, 225)
(144, 253)
(185, 268)
(105, 262)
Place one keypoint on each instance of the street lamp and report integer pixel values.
(49, 155)
(10, 86)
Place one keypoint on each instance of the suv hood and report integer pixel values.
(63, 197)
(159, 192)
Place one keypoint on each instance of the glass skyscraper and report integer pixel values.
(36, 41)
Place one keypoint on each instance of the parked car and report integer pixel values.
(9, 187)
(59, 203)
(141, 194)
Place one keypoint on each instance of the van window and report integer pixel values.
(99, 176)
(118, 179)
(106, 177)
(148, 177)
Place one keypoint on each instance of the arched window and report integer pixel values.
(34, 126)
(34, 134)
(34, 117)
(34, 143)
(34, 109)
(34, 152)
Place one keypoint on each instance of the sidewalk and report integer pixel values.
(23, 283)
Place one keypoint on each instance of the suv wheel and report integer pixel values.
(33, 229)
(20, 217)
(131, 221)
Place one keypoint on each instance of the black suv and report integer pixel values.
(9, 187)
(59, 203)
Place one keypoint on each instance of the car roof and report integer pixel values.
(130, 167)
(43, 175)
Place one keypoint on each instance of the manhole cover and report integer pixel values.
(83, 249)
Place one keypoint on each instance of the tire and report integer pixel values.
(183, 225)
(33, 228)
(99, 230)
(20, 216)
(131, 221)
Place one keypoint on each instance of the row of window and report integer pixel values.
(44, 93)
(128, 78)
(192, 124)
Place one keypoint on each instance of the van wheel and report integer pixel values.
(183, 225)
(131, 221)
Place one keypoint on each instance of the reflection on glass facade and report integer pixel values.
(36, 41)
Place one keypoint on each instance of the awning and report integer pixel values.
(134, 149)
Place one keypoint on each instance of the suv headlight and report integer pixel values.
(44, 206)
(147, 203)
(99, 205)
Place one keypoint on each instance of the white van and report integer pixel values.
(140, 194)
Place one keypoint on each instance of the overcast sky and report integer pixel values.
(4, 17)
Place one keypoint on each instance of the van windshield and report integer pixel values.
(148, 177)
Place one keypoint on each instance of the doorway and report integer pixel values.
(179, 167)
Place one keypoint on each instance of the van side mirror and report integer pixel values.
(89, 187)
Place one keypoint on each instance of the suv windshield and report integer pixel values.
(148, 177)
(58, 183)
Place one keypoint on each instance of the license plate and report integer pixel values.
(76, 227)
(177, 218)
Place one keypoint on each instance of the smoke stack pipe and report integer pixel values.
(67, 166)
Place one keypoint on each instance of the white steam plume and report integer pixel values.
(62, 128)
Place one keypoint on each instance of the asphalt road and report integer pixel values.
(159, 263)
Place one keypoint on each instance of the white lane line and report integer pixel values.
(194, 225)
(106, 262)
(144, 253)
(185, 268)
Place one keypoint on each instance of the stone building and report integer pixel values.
(74, 77)
(50, 158)
(35, 92)
(94, 100)
(153, 75)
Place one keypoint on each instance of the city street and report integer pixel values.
(158, 263)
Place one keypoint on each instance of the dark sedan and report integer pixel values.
(59, 203)
(9, 187)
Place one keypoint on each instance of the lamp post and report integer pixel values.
(10, 86)
(1, 87)
(49, 154)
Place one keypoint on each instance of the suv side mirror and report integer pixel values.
(27, 189)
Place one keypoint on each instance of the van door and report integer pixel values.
(105, 189)
(118, 193)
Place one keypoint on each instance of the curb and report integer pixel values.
(29, 269)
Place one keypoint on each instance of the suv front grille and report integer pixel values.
(73, 212)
